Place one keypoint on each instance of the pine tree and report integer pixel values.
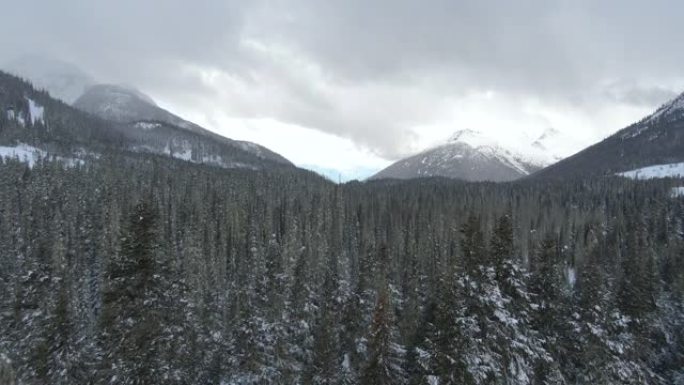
(473, 246)
(138, 323)
(326, 359)
(639, 281)
(503, 251)
(384, 365)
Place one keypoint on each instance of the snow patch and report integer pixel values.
(23, 152)
(571, 276)
(251, 148)
(30, 155)
(677, 192)
(36, 111)
(147, 125)
(522, 154)
(186, 154)
(671, 170)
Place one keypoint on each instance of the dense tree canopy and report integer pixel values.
(135, 269)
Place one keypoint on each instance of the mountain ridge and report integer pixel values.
(31, 117)
(654, 140)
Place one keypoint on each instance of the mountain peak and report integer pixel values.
(120, 93)
(123, 104)
(473, 138)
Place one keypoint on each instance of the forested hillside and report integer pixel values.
(32, 119)
(140, 270)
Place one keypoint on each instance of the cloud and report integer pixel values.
(388, 76)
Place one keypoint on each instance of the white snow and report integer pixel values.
(186, 154)
(571, 276)
(147, 125)
(23, 152)
(36, 111)
(672, 170)
(250, 147)
(29, 154)
(524, 148)
(473, 138)
(677, 192)
(524, 153)
(505, 317)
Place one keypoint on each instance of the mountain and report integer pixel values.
(473, 156)
(126, 104)
(169, 133)
(156, 129)
(62, 80)
(656, 140)
(35, 125)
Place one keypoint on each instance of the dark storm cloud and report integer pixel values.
(367, 70)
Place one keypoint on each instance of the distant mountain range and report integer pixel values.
(95, 116)
(474, 156)
(650, 148)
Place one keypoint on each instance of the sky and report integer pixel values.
(346, 87)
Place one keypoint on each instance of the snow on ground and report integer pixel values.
(677, 192)
(672, 170)
(29, 154)
(16, 115)
(147, 125)
(23, 152)
(186, 154)
(571, 276)
(36, 112)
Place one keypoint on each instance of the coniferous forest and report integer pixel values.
(136, 269)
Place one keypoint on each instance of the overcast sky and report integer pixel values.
(348, 86)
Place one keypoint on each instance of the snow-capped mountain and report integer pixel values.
(473, 156)
(62, 80)
(658, 139)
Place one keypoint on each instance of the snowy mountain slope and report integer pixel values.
(31, 155)
(120, 104)
(62, 80)
(657, 139)
(131, 107)
(59, 130)
(473, 156)
(672, 170)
